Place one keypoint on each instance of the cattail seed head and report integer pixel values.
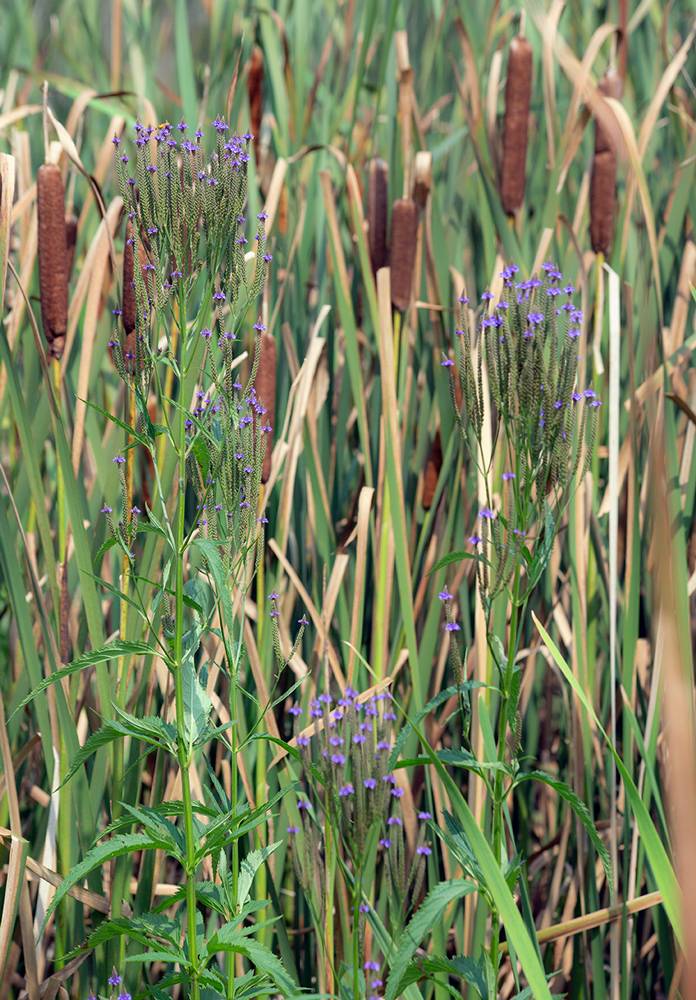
(602, 197)
(402, 254)
(255, 91)
(377, 194)
(53, 260)
(518, 92)
(266, 394)
(432, 472)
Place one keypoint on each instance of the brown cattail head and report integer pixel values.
(610, 85)
(70, 239)
(377, 203)
(402, 252)
(266, 394)
(432, 472)
(255, 91)
(518, 92)
(602, 197)
(53, 259)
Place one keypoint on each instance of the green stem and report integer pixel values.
(357, 892)
(183, 755)
(498, 797)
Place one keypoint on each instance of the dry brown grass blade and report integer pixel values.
(367, 495)
(10, 117)
(79, 105)
(98, 270)
(492, 110)
(580, 75)
(557, 8)
(471, 88)
(682, 299)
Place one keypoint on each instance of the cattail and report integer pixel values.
(53, 260)
(402, 253)
(266, 394)
(432, 472)
(255, 91)
(518, 92)
(602, 196)
(70, 239)
(603, 179)
(377, 194)
(423, 179)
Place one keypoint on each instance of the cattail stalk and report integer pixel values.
(377, 195)
(53, 259)
(402, 253)
(518, 91)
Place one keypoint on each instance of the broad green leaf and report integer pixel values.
(463, 966)
(197, 704)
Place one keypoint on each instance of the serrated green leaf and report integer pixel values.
(197, 704)
(463, 966)
(113, 848)
(451, 557)
(111, 651)
(248, 868)
(140, 438)
(425, 918)
(229, 939)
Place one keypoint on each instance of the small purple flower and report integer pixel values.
(371, 966)
(397, 792)
(370, 783)
(119, 460)
(508, 475)
(303, 804)
(394, 821)
(364, 908)
(535, 318)
(383, 745)
(135, 510)
(547, 266)
(452, 627)
(445, 595)
(295, 710)
(386, 844)
(485, 512)
(273, 596)
(107, 510)
(303, 620)
(569, 289)
(338, 758)
(346, 790)
(424, 815)
(293, 829)
(274, 613)
(447, 363)
(423, 849)
(114, 979)
(359, 738)
(589, 394)
(475, 540)
(487, 296)
(303, 741)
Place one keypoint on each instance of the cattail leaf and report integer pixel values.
(660, 865)
(184, 63)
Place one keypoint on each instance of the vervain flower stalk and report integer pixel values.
(185, 269)
(528, 341)
(351, 801)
